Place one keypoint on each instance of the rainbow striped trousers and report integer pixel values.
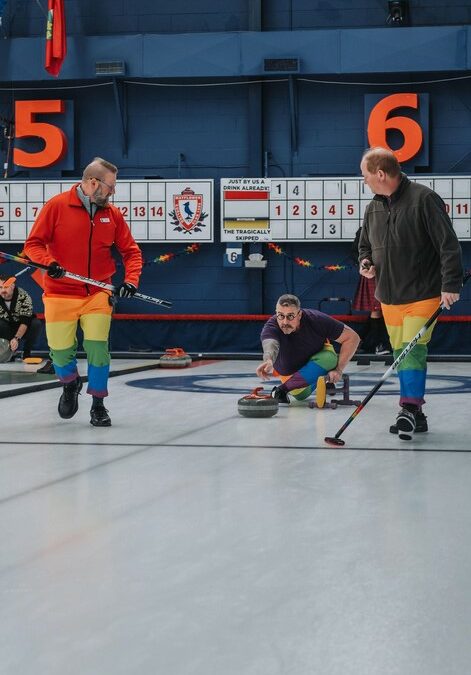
(63, 314)
(403, 323)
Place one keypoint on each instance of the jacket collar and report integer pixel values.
(405, 182)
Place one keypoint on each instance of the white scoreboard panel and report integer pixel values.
(332, 209)
(156, 210)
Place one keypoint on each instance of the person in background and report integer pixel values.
(297, 343)
(375, 340)
(77, 231)
(408, 245)
(18, 323)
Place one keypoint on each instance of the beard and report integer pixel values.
(99, 199)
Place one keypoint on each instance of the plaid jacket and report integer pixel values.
(21, 308)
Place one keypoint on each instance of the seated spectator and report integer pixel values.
(18, 323)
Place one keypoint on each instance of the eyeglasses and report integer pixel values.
(111, 188)
(288, 317)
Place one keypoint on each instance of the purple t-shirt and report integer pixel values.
(297, 348)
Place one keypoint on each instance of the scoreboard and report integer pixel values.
(155, 210)
(252, 209)
(332, 209)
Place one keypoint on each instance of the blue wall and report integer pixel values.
(226, 117)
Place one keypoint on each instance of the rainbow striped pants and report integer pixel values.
(403, 323)
(62, 314)
(302, 383)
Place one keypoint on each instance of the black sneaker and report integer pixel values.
(280, 395)
(99, 417)
(382, 350)
(68, 402)
(421, 425)
(405, 424)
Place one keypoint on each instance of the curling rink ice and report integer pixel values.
(188, 540)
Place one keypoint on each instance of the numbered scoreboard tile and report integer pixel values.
(33, 210)
(4, 193)
(314, 229)
(332, 210)
(278, 230)
(138, 211)
(35, 193)
(125, 209)
(51, 190)
(332, 189)
(313, 209)
(332, 229)
(428, 182)
(349, 228)
(139, 230)
(351, 189)
(156, 211)
(4, 213)
(461, 208)
(18, 212)
(157, 231)
(18, 192)
(462, 228)
(278, 210)
(443, 187)
(295, 189)
(139, 191)
(122, 192)
(365, 192)
(278, 189)
(314, 190)
(295, 210)
(17, 231)
(448, 206)
(156, 191)
(461, 188)
(350, 210)
(296, 229)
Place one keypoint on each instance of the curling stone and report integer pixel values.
(256, 404)
(5, 351)
(175, 357)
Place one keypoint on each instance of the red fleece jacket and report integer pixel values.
(64, 232)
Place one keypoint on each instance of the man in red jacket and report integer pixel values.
(75, 231)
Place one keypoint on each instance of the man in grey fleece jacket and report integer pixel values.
(408, 244)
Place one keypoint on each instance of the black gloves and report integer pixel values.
(55, 271)
(126, 290)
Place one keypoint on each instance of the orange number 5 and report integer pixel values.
(55, 141)
(379, 123)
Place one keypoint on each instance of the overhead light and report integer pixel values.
(398, 12)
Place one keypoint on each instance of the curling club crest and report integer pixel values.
(187, 214)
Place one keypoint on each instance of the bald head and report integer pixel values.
(381, 159)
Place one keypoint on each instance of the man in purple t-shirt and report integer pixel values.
(297, 344)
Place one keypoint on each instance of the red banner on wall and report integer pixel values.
(56, 45)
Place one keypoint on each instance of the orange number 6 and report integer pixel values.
(379, 123)
(55, 141)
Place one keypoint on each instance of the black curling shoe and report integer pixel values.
(68, 402)
(421, 425)
(99, 417)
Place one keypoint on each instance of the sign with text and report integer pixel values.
(245, 209)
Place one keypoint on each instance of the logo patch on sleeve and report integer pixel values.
(105, 220)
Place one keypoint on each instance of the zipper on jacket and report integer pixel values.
(92, 225)
(388, 249)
